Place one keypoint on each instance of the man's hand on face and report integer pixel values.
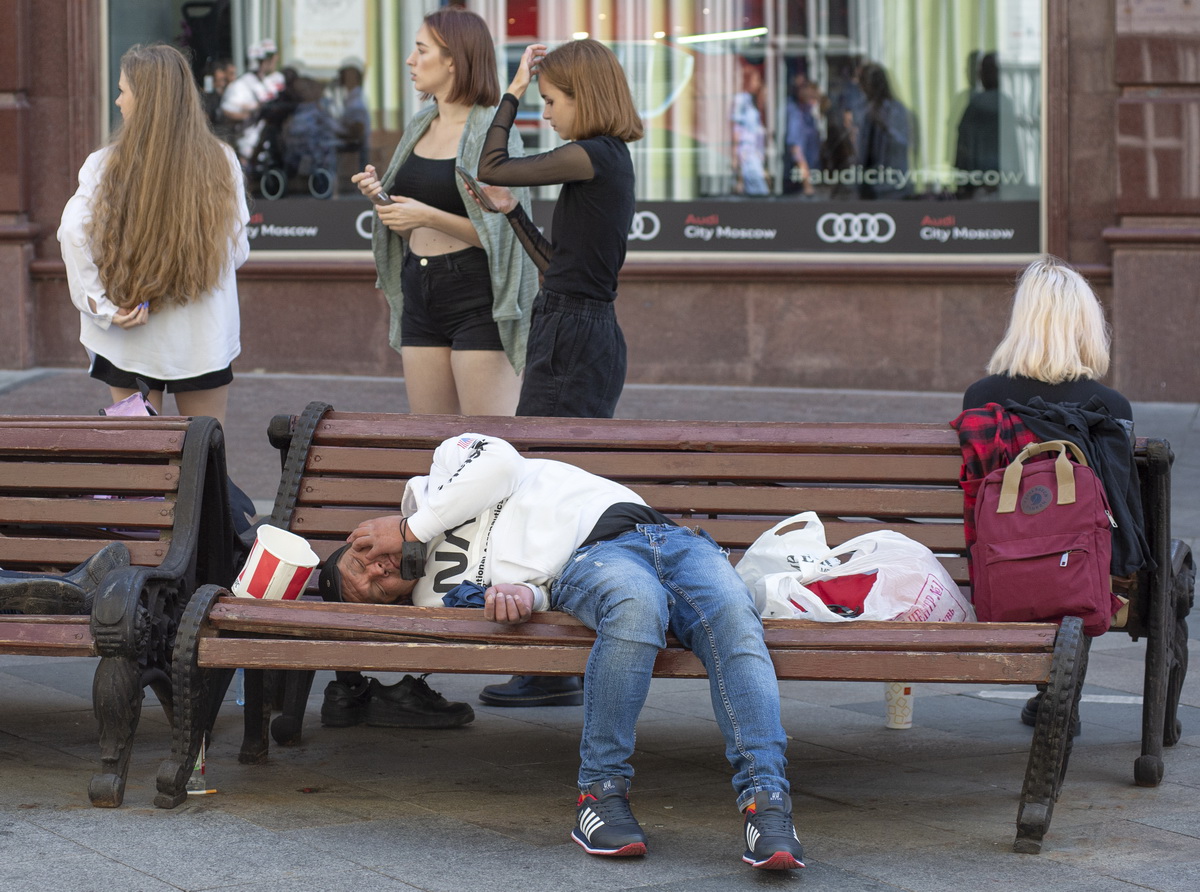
(508, 603)
(376, 581)
(377, 537)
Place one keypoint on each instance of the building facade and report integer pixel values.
(1014, 127)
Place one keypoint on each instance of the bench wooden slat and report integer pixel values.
(18, 553)
(778, 468)
(786, 501)
(941, 537)
(955, 565)
(671, 499)
(938, 537)
(115, 513)
(123, 444)
(99, 477)
(834, 665)
(46, 636)
(400, 464)
(345, 428)
(155, 422)
(311, 619)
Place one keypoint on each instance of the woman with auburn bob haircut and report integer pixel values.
(576, 360)
(459, 286)
(1056, 345)
(575, 365)
(151, 240)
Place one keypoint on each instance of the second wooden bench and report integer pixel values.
(733, 479)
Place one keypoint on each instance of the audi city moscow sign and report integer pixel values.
(705, 225)
(864, 227)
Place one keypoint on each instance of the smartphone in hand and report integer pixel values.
(473, 185)
(382, 199)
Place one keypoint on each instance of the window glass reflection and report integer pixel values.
(804, 103)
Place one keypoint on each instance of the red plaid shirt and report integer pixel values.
(990, 438)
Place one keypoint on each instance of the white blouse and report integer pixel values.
(201, 336)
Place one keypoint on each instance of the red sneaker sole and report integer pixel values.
(778, 861)
(630, 851)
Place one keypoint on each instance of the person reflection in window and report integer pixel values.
(884, 138)
(982, 145)
(802, 137)
(750, 135)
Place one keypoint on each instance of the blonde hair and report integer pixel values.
(1057, 331)
(167, 203)
(588, 72)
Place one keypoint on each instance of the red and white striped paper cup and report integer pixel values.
(279, 567)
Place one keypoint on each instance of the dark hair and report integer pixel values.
(588, 72)
(875, 85)
(329, 583)
(465, 38)
(989, 72)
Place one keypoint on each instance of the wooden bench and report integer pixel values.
(70, 486)
(735, 480)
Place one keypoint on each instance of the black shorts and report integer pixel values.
(103, 370)
(448, 302)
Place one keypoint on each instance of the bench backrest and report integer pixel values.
(734, 479)
(70, 485)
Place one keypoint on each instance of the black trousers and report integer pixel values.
(575, 360)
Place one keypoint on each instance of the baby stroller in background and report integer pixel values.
(299, 139)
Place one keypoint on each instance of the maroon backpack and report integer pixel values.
(1044, 541)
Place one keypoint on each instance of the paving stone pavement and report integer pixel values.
(489, 806)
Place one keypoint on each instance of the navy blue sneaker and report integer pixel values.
(535, 690)
(771, 841)
(604, 824)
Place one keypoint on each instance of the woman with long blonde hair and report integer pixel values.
(151, 240)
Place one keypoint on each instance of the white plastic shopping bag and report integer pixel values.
(794, 547)
(910, 585)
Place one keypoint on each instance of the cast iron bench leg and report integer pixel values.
(195, 690)
(1148, 767)
(1051, 738)
(1183, 585)
(117, 704)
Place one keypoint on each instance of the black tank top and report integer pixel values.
(429, 181)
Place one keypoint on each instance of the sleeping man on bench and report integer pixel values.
(543, 535)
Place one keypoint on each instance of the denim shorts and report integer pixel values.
(103, 370)
(448, 302)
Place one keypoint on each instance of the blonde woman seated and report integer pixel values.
(1056, 346)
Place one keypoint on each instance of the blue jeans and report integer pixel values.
(632, 590)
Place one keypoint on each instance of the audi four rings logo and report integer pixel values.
(644, 227)
(863, 228)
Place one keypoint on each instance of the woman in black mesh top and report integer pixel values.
(575, 364)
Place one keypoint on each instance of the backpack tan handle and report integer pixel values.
(1063, 472)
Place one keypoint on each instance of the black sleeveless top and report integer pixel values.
(429, 181)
